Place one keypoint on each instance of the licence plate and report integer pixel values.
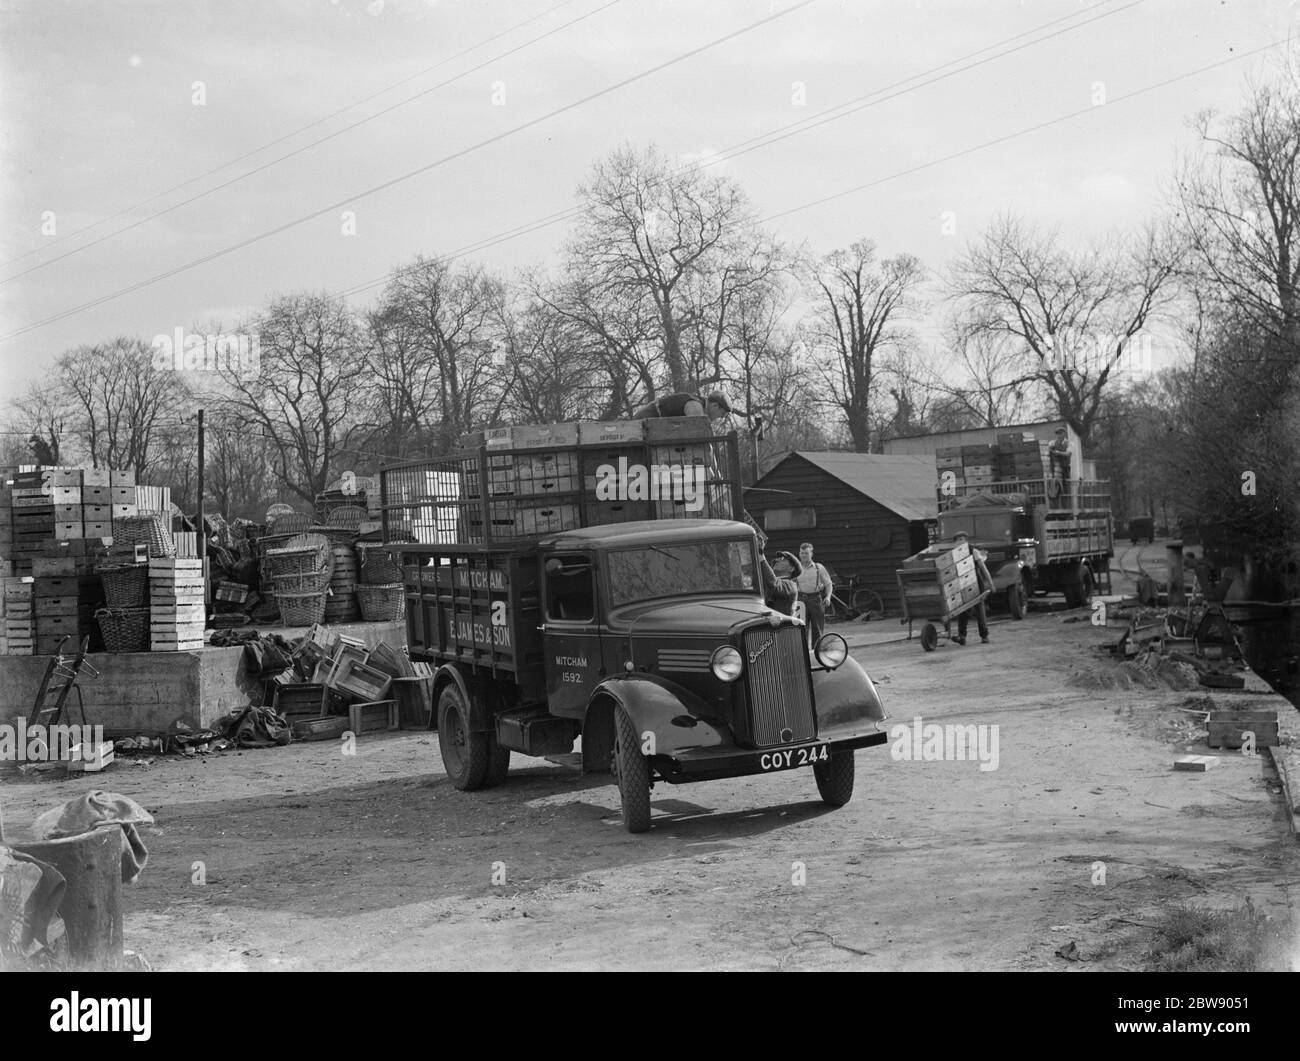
(790, 758)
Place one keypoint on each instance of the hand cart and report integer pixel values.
(923, 597)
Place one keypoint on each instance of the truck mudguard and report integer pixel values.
(677, 717)
(846, 695)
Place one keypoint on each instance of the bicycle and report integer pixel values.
(857, 603)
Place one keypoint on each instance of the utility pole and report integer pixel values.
(202, 550)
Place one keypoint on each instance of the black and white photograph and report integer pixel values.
(651, 486)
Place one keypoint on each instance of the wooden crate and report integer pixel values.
(95, 477)
(373, 716)
(360, 682)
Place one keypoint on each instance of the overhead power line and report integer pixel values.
(352, 199)
(287, 136)
(305, 147)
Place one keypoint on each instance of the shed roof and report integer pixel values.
(903, 483)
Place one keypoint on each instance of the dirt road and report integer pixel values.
(304, 858)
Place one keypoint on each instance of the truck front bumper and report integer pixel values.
(709, 764)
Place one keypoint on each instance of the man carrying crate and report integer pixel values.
(984, 583)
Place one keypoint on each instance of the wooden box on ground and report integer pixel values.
(372, 716)
(360, 682)
(1227, 728)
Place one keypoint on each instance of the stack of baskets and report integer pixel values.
(380, 591)
(341, 605)
(300, 578)
(124, 619)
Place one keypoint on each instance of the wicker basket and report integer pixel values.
(346, 516)
(124, 629)
(336, 535)
(382, 604)
(379, 570)
(301, 582)
(301, 609)
(287, 522)
(151, 530)
(125, 585)
(294, 560)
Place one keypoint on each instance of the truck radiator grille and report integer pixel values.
(779, 685)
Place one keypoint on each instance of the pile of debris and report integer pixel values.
(1199, 636)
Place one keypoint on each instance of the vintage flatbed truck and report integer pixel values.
(597, 586)
(1041, 535)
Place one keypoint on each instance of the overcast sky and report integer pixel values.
(100, 112)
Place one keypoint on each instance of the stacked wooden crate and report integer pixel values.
(66, 594)
(177, 613)
(1021, 457)
(33, 500)
(6, 531)
(947, 462)
(977, 464)
(19, 628)
(957, 581)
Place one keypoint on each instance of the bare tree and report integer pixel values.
(309, 385)
(660, 235)
(861, 303)
(1075, 312)
(441, 367)
(1241, 206)
(42, 414)
(120, 395)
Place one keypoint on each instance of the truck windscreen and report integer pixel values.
(655, 571)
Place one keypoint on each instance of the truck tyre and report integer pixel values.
(1016, 600)
(1086, 584)
(465, 754)
(835, 778)
(633, 772)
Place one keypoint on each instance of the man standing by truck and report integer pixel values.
(815, 589)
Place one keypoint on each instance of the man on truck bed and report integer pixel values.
(714, 406)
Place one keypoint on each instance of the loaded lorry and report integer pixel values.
(598, 583)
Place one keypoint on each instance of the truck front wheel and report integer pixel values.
(633, 772)
(835, 779)
(466, 755)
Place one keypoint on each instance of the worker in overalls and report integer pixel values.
(682, 403)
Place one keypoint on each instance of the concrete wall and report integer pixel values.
(144, 692)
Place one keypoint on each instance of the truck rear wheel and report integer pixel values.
(633, 772)
(466, 755)
(835, 779)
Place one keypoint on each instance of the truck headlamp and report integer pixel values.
(726, 664)
(831, 650)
